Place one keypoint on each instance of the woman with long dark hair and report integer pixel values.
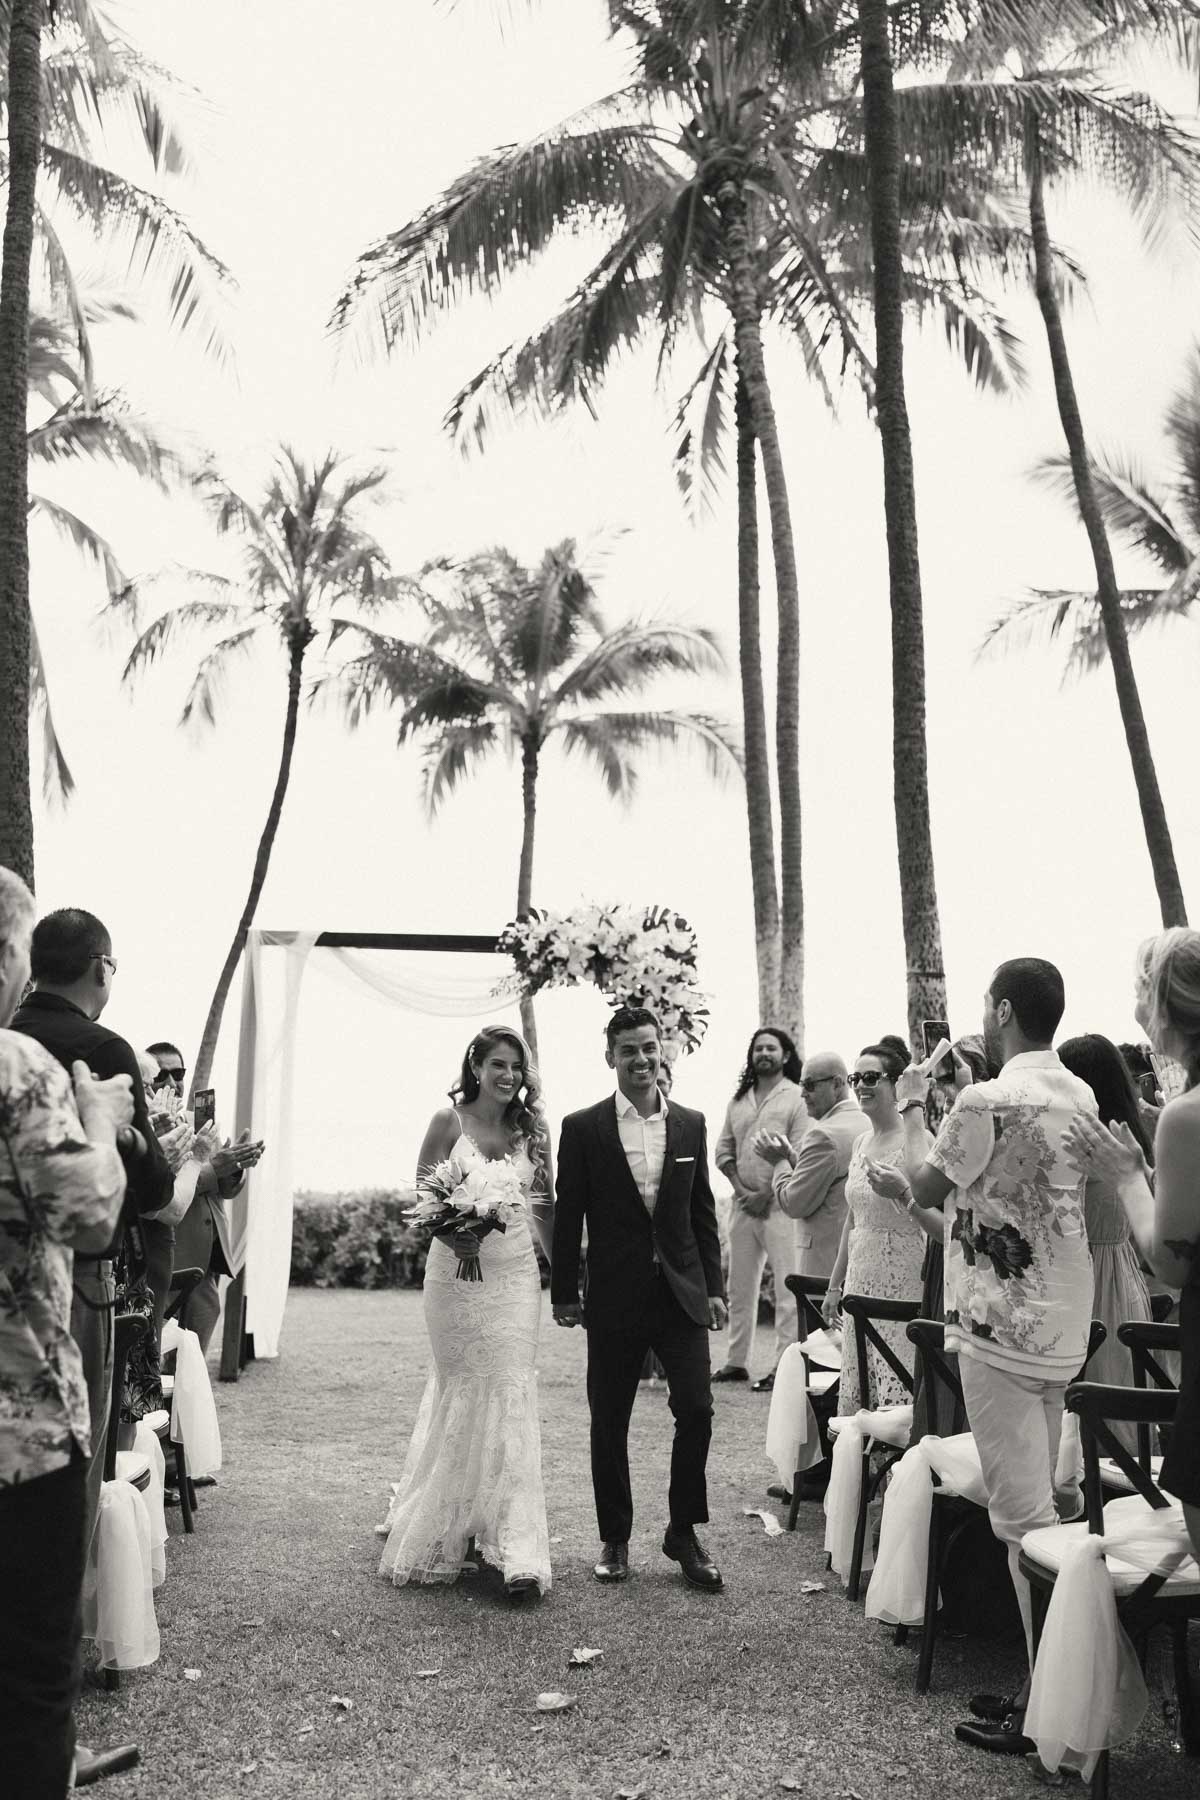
(471, 1490)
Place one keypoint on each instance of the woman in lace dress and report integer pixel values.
(471, 1490)
(882, 1248)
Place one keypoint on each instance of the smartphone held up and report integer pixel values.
(935, 1034)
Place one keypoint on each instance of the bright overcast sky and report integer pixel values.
(318, 136)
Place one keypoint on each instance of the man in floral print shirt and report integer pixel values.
(1018, 1268)
(61, 1188)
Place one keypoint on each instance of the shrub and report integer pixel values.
(358, 1239)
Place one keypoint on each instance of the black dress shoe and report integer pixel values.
(94, 1765)
(698, 1570)
(777, 1491)
(764, 1384)
(521, 1587)
(613, 1564)
(732, 1372)
(1003, 1738)
(992, 1706)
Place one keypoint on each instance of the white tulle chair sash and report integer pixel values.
(890, 1426)
(897, 1591)
(1088, 1691)
(793, 1441)
(145, 1443)
(118, 1596)
(193, 1409)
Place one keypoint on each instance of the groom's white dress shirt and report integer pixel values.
(644, 1142)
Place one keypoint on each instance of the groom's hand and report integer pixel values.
(718, 1314)
(571, 1314)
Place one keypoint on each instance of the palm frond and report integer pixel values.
(612, 739)
(58, 783)
(633, 655)
(204, 694)
(189, 616)
(451, 758)
(85, 538)
(496, 218)
(1125, 499)
(1049, 614)
(393, 672)
(108, 432)
(155, 240)
(698, 428)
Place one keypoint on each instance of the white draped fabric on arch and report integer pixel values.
(261, 1216)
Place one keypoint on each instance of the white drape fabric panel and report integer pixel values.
(793, 1441)
(193, 1410)
(1088, 1692)
(262, 1219)
(415, 983)
(897, 1591)
(261, 1215)
(118, 1590)
(890, 1427)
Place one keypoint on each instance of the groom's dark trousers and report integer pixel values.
(649, 1277)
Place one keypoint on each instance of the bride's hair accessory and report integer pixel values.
(524, 1113)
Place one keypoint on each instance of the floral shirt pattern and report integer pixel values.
(1018, 1269)
(54, 1185)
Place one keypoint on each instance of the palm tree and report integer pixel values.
(24, 142)
(82, 424)
(1161, 522)
(690, 172)
(511, 657)
(304, 552)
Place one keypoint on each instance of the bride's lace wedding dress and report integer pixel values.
(474, 1466)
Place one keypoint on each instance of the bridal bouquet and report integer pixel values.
(464, 1193)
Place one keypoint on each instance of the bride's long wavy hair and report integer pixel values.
(524, 1115)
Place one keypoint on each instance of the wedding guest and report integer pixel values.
(210, 1177)
(1119, 1292)
(1165, 1220)
(73, 970)
(882, 1248)
(1018, 1272)
(809, 1180)
(767, 1099)
(61, 1187)
(652, 1369)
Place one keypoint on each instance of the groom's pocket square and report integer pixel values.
(684, 1159)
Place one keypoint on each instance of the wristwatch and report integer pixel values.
(909, 1105)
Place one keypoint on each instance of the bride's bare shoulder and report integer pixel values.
(441, 1134)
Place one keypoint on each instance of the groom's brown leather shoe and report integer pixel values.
(613, 1564)
(698, 1570)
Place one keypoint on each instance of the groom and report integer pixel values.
(634, 1168)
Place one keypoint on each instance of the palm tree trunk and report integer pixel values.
(1137, 738)
(754, 720)
(212, 1025)
(925, 977)
(529, 775)
(24, 75)
(752, 371)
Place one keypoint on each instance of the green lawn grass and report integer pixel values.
(276, 1601)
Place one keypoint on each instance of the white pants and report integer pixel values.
(1017, 1423)
(751, 1243)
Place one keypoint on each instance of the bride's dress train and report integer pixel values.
(474, 1466)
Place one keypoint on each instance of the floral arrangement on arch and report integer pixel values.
(636, 958)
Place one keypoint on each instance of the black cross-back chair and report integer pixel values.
(1141, 1605)
(865, 1312)
(951, 1512)
(809, 1291)
(175, 1450)
(1142, 1339)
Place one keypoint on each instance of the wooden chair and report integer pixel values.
(822, 1384)
(1143, 1601)
(951, 1512)
(174, 1449)
(1142, 1338)
(866, 1312)
(127, 1329)
(182, 1283)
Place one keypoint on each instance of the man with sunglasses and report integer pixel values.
(213, 1175)
(809, 1179)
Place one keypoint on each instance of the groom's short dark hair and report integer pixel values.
(630, 1018)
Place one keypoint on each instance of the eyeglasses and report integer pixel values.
(869, 1078)
(110, 962)
(813, 1082)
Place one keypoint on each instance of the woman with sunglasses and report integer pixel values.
(882, 1248)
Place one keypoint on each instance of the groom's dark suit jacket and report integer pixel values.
(593, 1185)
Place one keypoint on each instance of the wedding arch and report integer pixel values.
(645, 955)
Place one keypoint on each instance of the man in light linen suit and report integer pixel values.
(809, 1180)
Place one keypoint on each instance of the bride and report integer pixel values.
(472, 1482)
